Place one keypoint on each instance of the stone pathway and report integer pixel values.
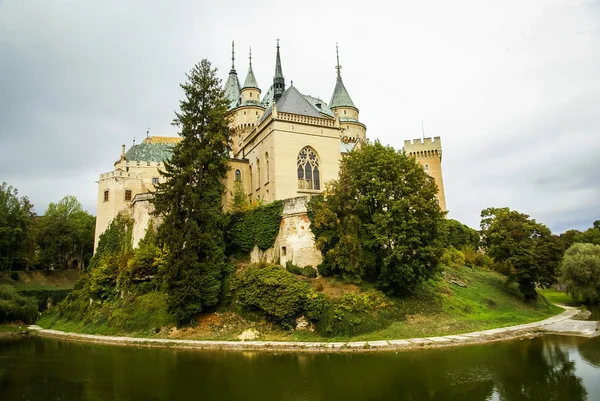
(559, 324)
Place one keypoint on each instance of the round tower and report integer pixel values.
(344, 109)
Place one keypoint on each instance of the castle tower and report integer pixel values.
(278, 79)
(428, 153)
(345, 111)
(250, 91)
(232, 86)
(246, 115)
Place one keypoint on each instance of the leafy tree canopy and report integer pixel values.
(16, 215)
(379, 221)
(525, 251)
(580, 272)
(190, 200)
(460, 235)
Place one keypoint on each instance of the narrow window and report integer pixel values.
(267, 165)
(128, 195)
(238, 175)
(106, 195)
(257, 173)
(308, 169)
(154, 180)
(426, 167)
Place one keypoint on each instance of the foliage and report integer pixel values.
(16, 215)
(116, 239)
(65, 233)
(15, 307)
(590, 236)
(190, 200)
(240, 202)
(459, 235)
(273, 291)
(580, 272)
(379, 221)
(307, 271)
(255, 227)
(43, 296)
(453, 257)
(524, 250)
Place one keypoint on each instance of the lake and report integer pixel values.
(544, 368)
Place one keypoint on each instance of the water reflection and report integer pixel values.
(549, 368)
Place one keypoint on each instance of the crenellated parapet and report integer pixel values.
(424, 148)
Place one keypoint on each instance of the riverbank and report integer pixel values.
(546, 326)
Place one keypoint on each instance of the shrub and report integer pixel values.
(276, 293)
(15, 307)
(141, 313)
(452, 257)
(255, 227)
(580, 272)
(42, 296)
(307, 271)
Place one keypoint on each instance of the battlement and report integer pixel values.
(424, 148)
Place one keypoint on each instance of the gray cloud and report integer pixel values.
(512, 88)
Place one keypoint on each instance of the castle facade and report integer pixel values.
(285, 146)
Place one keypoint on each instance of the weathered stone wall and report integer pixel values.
(295, 241)
(141, 213)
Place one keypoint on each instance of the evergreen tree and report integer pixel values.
(190, 201)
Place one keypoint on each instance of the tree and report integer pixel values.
(66, 234)
(379, 221)
(524, 250)
(580, 272)
(190, 201)
(591, 235)
(16, 215)
(460, 235)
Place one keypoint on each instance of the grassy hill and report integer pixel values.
(461, 300)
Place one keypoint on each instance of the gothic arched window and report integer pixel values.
(257, 173)
(427, 167)
(267, 166)
(238, 175)
(309, 176)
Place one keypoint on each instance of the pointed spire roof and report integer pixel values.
(278, 79)
(340, 97)
(292, 102)
(232, 86)
(250, 81)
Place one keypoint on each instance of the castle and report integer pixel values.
(285, 146)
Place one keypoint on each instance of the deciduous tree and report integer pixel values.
(580, 272)
(524, 250)
(379, 221)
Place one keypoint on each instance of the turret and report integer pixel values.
(342, 105)
(278, 79)
(232, 86)
(428, 152)
(250, 92)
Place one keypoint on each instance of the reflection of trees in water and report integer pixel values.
(590, 351)
(539, 371)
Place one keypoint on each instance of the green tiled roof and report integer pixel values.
(340, 97)
(232, 89)
(323, 108)
(149, 152)
(250, 81)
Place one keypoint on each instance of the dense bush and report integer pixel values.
(460, 235)
(307, 271)
(43, 296)
(15, 307)
(453, 257)
(580, 272)
(273, 291)
(255, 227)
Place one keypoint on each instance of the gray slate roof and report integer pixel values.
(150, 152)
(324, 109)
(340, 97)
(293, 102)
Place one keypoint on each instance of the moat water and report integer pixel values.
(545, 368)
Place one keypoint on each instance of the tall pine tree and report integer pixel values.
(190, 200)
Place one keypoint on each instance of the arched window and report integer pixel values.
(238, 175)
(309, 176)
(257, 173)
(267, 165)
(426, 167)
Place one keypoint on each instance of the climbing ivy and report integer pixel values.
(258, 226)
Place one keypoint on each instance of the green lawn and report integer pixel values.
(557, 297)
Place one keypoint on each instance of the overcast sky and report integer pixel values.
(512, 87)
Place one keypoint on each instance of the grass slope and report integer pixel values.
(440, 307)
(41, 280)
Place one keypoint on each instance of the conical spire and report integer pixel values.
(232, 86)
(340, 97)
(250, 81)
(278, 79)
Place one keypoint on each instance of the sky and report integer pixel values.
(512, 87)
